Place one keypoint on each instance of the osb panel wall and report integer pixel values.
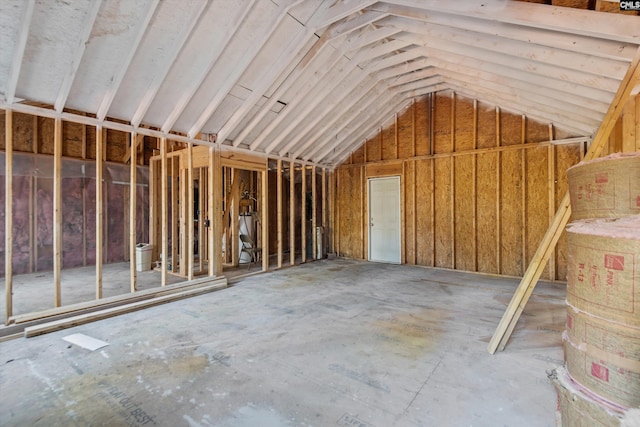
(349, 240)
(480, 184)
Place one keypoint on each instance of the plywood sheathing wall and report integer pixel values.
(33, 196)
(480, 184)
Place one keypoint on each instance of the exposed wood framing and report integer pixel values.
(18, 53)
(164, 211)
(523, 187)
(202, 236)
(279, 211)
(303, 232)
(183, 190)
(34, 227)
(154, 174)
(133, 197)
(551, 188)
(474, 184)
(57, 212)
(292, 213)
(324, 211)
(8, 212)
(314, 220)
(452, 183)
(518, 302)
(498, 195)
(189, 214)
(265, 219)
(99, 209)
(364, 209)
(234, 201)
(214, 239)
(175, 213)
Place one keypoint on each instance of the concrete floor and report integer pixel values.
(329, 343)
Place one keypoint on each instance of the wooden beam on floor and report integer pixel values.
(81, 319)
(534, 271)
(8, 212)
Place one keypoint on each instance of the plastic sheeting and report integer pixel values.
(33, 211)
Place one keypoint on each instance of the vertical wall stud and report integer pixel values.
(524, 193)
(189, 212)
(164, 211)
(324, 210)
(314, 219)
(498, 195)
(99, 211)
(303, 232)
(452, 181)
(8, 212)
(551, 177)
(279, 211)
(133, 198)
(202, 191)
(57, 211)
(265, 220)
(474, 189)
(292, 213)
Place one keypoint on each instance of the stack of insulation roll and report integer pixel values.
(601, 383)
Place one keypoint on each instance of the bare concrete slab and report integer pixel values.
(330, 343)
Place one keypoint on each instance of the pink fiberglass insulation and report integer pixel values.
(115, 217)
(72, 223)
(44, 225)
(21, 224)
(621, 228)
(90, 213)
(33, 192)
(2, 198)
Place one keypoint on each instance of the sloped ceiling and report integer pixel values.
(308, 79)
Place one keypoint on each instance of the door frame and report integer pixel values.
(397, 178)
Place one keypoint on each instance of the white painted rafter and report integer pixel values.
(161, 72)
(506, 60)
(338, 12)
(367, 130)
(425, 31)
(18, 52)
(317, 95)
(368, 106)
(536, 16)
(235, 73)
(554, 40)
(187, 93)
(69, 77)
(343, 154)
(336, 109)
(123, 66)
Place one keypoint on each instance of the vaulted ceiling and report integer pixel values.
(308, 79)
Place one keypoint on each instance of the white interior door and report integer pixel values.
(384, 219)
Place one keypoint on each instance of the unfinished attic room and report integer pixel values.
(283, 213)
